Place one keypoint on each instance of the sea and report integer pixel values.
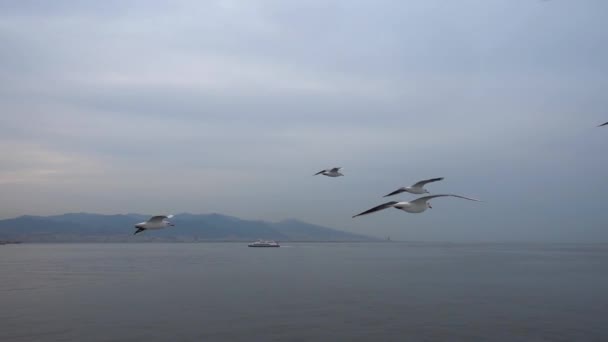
(379, 291)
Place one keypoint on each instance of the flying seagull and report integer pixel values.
(417, 188)
(155, 222)
(604, 124)
(416, 206)
(335, 172)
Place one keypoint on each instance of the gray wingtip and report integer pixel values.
(398, 191)
(472, 199)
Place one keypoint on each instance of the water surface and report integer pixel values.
(304, 292)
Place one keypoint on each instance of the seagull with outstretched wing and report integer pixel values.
(335, 172)
(416, 206)
(417, 189)
(155, 222)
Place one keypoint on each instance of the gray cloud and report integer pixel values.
(231, 106)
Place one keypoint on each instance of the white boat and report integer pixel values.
(264, 243)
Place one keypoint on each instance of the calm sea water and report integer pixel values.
(304, 292)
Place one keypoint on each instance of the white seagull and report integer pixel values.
(416, 206)
(417, 188)
(155, 222)
(604, 124)
(335, 172)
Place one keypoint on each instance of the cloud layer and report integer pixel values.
(231, 106)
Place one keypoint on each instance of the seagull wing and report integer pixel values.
(378, 208)
(426, 198)
(320, 172)
(426, 181)
(398, 191)
(335, 169)
(604, 124)
(159, 218)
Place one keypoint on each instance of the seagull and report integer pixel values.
(335, 172)
(417, 188)
(155, 222)
(416, 206)
(604, 124)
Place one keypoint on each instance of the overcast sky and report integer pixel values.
(232, 106)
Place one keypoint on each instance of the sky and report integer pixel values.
(232, 106)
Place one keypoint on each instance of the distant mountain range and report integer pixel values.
(86, 227)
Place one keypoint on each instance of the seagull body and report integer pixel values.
(416, 206)
(604, 124)
(155, 222)
(417, 189)
(335, 172)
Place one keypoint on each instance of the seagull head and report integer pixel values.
(428, 204)
(426, 191)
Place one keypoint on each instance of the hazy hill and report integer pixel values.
(75, 227)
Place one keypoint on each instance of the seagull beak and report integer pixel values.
(430, 206)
